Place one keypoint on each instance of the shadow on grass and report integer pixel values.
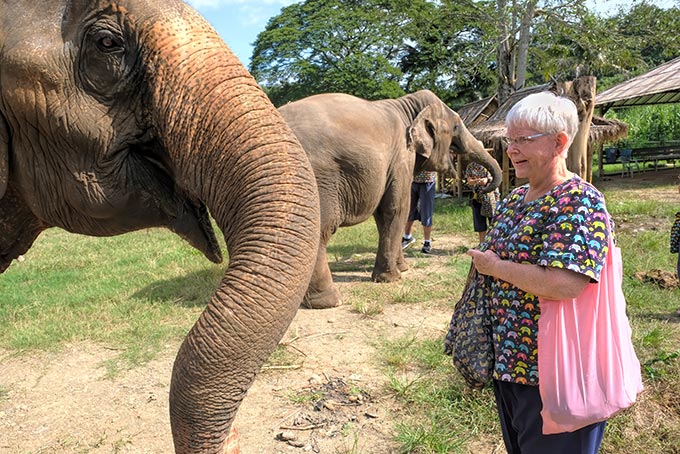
(190, 290)
(349, 276)
(343, 252)
(640, 180)
(670, 317)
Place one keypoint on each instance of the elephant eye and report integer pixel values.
(103, 60)
(108, 42)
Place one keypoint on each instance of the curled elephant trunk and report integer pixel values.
(487, 160)
(473, 150)
(241, 159)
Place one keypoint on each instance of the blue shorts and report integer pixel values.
(422, 203)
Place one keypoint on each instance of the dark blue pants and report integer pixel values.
(479, 222)
(519, 409)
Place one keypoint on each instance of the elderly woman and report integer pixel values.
(549, 238)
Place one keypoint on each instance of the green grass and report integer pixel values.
(138, 292)
(132, 292)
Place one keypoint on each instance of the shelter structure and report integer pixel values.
(661, 85)
(490, 127)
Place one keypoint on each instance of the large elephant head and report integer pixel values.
(116, 116)
(436, 130)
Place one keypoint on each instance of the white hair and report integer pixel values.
(545, 112)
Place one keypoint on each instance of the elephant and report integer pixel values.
(364, 154)
(122, 115)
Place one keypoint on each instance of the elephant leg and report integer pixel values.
(401, 261)
(390, 219)
(321, 293)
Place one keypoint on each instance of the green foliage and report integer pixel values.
(450, 50)
(380, 49)
(649, 125)
(331, 45)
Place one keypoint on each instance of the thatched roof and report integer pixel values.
(492, 130)
(607, 130)
(661, 85)
(478, 111)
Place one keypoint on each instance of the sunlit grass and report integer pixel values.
(133, 292)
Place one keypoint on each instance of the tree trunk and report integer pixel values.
(582, 92)
(506, 76)
(524, 40)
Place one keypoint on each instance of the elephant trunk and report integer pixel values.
(487, 160)
(477, 153)
(237, 155)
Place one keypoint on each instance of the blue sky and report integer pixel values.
(240, 21)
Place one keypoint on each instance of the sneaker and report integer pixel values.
(406, 242)
(426, 248)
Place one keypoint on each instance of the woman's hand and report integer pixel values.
(477, 181)
(485, 262)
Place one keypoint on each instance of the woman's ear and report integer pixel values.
(561, 141)
(4, 155)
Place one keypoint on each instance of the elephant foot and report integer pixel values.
(402, 266)
(231, 443)
(386, 276)
(322, 300)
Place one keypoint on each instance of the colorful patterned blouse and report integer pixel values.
(425, 176)
(566, 228)
(476, 170)
(675, 234)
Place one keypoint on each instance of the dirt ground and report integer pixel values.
(62, 402)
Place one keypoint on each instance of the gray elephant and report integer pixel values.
(364, 154)
(117, 116)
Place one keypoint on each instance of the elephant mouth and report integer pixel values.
(176, 208)
(194, 225)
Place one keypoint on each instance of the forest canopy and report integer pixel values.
(461, 50)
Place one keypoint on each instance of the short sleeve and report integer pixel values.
(577, 235)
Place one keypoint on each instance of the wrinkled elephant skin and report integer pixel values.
(118, 116)
(364, 154)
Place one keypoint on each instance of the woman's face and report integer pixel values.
(533, 153)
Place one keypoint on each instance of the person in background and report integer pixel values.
(423, 189)
(549, 239)
(483, 205)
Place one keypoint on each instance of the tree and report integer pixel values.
(463, 50)
(450, 50)
(317, 46)
(517, 25)
(377, 49)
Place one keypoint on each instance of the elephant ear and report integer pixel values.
(4, 156)
(74, 10)
(420, 137)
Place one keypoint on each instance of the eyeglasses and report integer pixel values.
(523, 140)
